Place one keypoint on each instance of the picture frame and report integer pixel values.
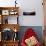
(13, 12)
(10, 19)
(5, 12)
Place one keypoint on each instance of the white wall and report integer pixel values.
(27, 5)
(7, 3)
(32, 5)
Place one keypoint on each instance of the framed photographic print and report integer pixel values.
(5, 12)
(12, 19)
(12, 12)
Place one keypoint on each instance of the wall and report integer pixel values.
(7, 3)
(27, 5)
(31, 5)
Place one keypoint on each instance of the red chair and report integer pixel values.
(29, 33)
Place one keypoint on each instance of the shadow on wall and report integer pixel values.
(37, 29)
